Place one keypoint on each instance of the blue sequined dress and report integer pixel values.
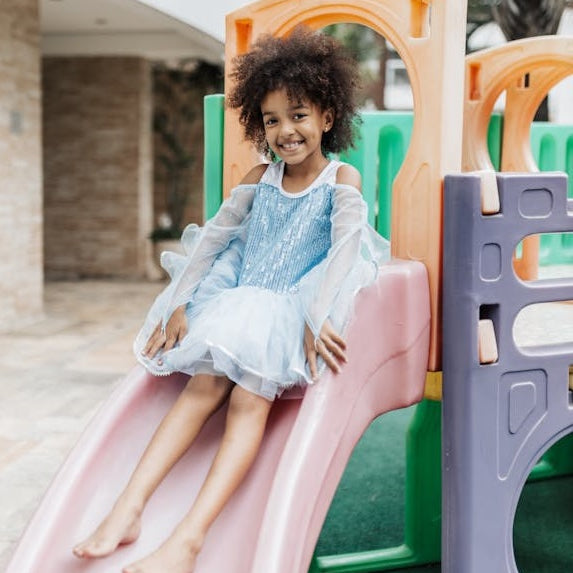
(266, 264)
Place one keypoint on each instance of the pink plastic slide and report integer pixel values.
(273, 521)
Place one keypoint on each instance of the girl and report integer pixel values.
(258, 303)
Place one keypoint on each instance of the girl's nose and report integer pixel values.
(287, 128)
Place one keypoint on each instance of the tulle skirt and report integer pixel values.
(252, 335)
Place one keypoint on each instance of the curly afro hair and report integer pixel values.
(312, 67)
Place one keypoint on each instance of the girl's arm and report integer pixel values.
(215, 236)
(212, 239)
(349, 220)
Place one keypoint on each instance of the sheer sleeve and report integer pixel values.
(352, 260)
(208, 242)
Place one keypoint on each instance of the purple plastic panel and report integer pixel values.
(499, 418)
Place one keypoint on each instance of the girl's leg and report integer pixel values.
(246, 420)
(202, 396)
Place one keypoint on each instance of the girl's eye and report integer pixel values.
(270, 121)
(299, 115)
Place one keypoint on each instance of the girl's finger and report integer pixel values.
(150, 344)
(151, 339)
(329, 359)
(311, 359)
(334, 348)
(157, 345)
(170, 341)
(335, 337)
(338, 339)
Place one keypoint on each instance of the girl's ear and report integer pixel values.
(328, 120)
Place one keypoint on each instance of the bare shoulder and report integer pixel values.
(349, 175)
(255, 174)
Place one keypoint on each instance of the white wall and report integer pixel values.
(561, 96)
(209, 18)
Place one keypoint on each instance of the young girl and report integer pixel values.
(260, 300)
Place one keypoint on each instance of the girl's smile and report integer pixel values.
(291, 146)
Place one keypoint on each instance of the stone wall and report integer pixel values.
(97, 166)
(21, 277)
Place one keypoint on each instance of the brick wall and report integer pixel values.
(97, 166)
(21, 277)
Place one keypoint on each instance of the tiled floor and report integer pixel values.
(56, 373)
(53, 376)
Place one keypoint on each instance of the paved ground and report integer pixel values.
(53, 377)
(56, 373)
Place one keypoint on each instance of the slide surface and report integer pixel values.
(274, 519)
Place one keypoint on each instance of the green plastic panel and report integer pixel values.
(381, 144)
(422, 532)
(494, 134)
(214, 116)
(552, 149)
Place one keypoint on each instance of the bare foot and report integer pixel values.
(176, 555)
(121, 527)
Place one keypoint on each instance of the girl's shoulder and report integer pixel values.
(340, 173)
(255, 175)
(269, 173)
(347, 174)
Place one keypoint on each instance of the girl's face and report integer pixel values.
(294, 128)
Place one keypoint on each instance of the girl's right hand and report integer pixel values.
(175, 331)
(329, 345)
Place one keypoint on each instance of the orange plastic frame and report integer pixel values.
(429, 35)
(526, 70)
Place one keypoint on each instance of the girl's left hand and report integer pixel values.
(166, 339)
(329, 345)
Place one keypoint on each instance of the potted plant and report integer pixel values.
(174, 163)
(178, 99)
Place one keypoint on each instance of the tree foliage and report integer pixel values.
(528, 18)
(479, 13)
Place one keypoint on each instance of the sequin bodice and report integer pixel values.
(288, 233)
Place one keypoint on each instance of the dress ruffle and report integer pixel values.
(252, 335)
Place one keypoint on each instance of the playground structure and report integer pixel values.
(388, 358)
(515, 403)
(526, 70)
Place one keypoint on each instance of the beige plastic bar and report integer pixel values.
(487, 343)
(429, 35)
(526, 70)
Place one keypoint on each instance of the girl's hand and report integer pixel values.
(175, 330)
(328, 344)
